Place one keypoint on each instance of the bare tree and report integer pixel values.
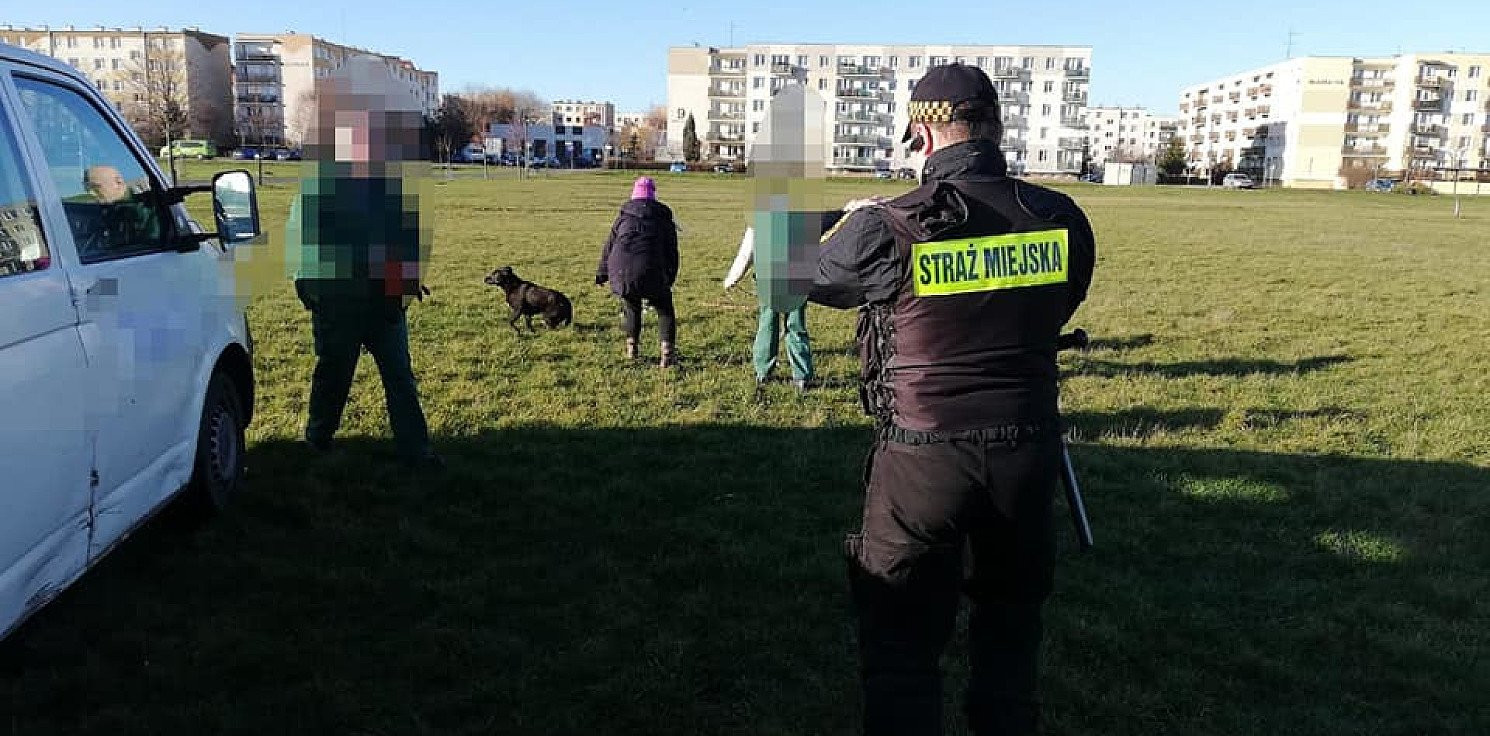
(158, 101)
(487, 105)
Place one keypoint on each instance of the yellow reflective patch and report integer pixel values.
(989, 263)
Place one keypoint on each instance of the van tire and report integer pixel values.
(220, 465)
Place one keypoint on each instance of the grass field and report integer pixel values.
(1281, 431)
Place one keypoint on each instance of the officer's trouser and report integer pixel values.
(340, 332)
(968, 515)
(798, 344)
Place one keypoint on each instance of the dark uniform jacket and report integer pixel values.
(641, 255)
(958, 329)
(359, 242)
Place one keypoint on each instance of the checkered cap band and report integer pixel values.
(933, 111)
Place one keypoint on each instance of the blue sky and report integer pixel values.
(1144, 52)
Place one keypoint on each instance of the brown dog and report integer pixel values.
(527, 299)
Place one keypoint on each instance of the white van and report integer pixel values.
(125, 369)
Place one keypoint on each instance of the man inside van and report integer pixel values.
(125, 220)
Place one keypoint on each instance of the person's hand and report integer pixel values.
(855, 204)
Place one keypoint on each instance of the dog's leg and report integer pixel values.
(530, 323)
(513, 322)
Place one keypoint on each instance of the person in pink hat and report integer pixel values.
(640, 261)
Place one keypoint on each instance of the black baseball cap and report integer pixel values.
(950, 92)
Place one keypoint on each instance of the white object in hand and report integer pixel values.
(742, 259)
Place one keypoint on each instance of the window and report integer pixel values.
(1468, 118)
(1474, 72)
(1471, 95)
(760, 59)
(894, 62)
(1043, 156)
(134, 53)
(98, 63)
(982, 62)
(1049, 63)
(822, 83)
(822, 61)
(781, 59)
(72, 42)
(100, 181)
(757, 82)
(1045, 109)
(915, 61)
(114, 64)
(910, 84)
(872, 62)
(114, 42)
(757, 105)
(1027, 62)
(938, 61)
(1050, 86)
(23, 245)
(755, 127)
(802, 61)
(1044, 133)
(72, 61)
(960, 60)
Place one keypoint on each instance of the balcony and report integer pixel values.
(1376, 82)
(1014, 98)
(856, 70)
(249, 98)
(1076, 121)
(715, 136)
(786, 70)
(1010, 72)
(726, 92)
(860, 139)
(1431, 131)
(730, 71)
(726, 115)
(1428, 105)
(1072, 144)
(1079, 73)
(860, 117)
(1351, 151)
(854, 162)
(1432, 82)
(861, 93)
(1074, 97)
(1016, 122)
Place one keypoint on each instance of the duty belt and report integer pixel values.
(1017, 432)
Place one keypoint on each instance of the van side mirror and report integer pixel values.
(235, 207)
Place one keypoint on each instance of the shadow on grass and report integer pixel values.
(1229, 367)
(686, 580)
(1128, 342)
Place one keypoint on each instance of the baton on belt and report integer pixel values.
(1075, 339)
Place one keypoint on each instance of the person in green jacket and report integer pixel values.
(355, 236)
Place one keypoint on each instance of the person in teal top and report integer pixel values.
(355, 238)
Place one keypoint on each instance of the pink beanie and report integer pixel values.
(644, 188)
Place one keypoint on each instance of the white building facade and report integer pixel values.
(1129, 134)
(1332, 122)
(1043, 98)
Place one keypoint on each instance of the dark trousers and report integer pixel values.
(662, 303)
(969, 516)
(340, 333)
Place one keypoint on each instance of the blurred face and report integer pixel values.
(918, 148)
(106, 184)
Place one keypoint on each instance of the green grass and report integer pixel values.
(1281, 433)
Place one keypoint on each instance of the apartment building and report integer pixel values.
(867, 88)
(137, 69)
(1332, 122)
(276, 76)
(1127, 134)
(574, 112)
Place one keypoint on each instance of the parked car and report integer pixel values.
(287, 154)
(247, 153)
(905, 173)
(678, 167)
(190, 148)
(724, 167)
(1092, 178)
(125, 376)
(884, 174)
(1238, 181)
(1381, 185)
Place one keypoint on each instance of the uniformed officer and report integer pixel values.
(963, 286)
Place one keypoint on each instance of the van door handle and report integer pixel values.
(102, 287)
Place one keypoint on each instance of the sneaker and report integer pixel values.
(669, 357)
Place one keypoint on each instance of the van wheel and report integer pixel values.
(220, 466)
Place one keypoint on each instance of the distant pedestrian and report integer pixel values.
(640, 261)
